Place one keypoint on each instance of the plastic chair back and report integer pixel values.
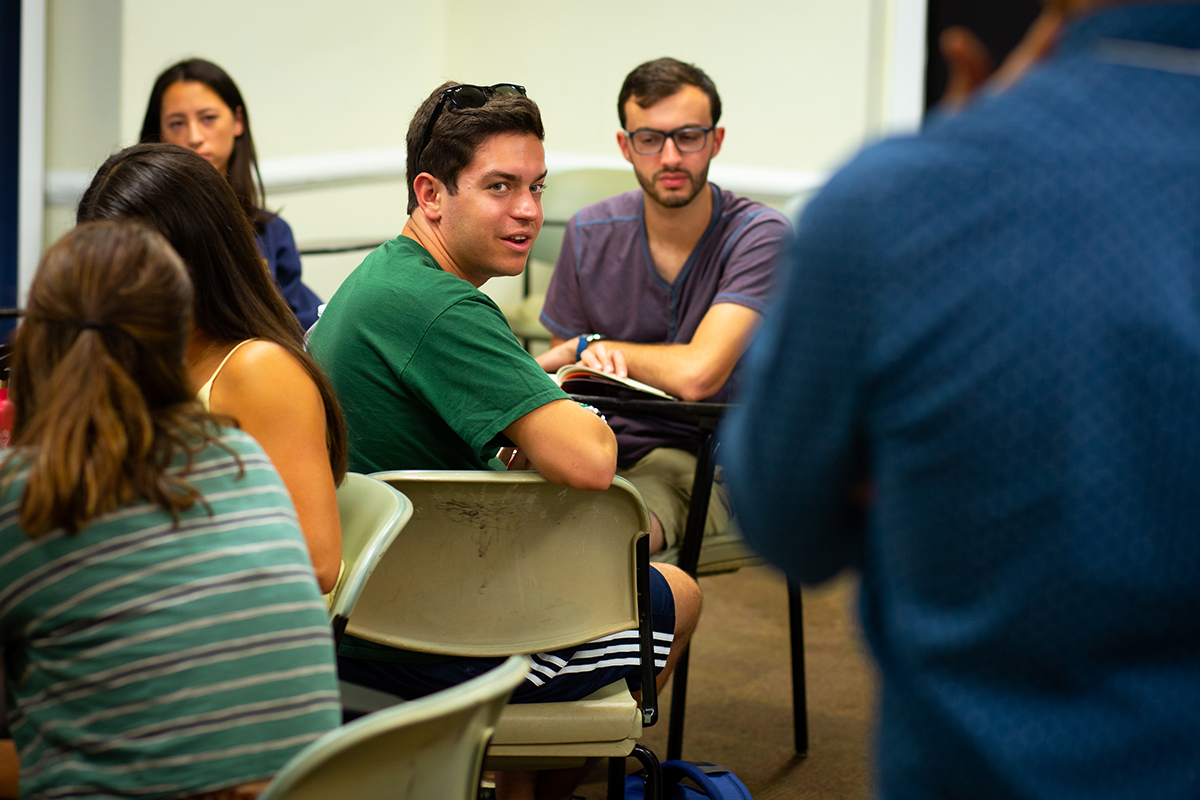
(427, 749)
(372, 514)
(495, 563)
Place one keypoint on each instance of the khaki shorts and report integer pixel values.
(664, 479)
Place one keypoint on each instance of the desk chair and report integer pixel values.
(426, 749)
(697, 556)
(721, 553)
(371, 514)
(495, 563)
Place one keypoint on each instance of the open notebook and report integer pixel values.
(578, 379)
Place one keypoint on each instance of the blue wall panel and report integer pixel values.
(10, 107)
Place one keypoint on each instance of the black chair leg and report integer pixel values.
(689, 560)
(799, 692)
(679, 684)
(616, 779)
(651, 771)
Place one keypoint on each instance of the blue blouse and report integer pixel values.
(278, 247)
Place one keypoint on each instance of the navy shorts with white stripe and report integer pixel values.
(567, 674)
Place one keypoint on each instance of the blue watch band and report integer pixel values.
(583, 343)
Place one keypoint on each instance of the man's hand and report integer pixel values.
(513, 459)
(559, 355)
(691, 371)
(968, 64)
(597, 356)
(605, 358)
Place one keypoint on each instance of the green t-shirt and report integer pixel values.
(424, 364)
(427, 371)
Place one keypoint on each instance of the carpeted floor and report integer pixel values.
(739, 694)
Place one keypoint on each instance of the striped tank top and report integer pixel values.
(151, 661)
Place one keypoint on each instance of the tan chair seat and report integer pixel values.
(608, 715)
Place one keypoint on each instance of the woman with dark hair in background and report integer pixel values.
(162, 631)
(195, 104)
(245, 355)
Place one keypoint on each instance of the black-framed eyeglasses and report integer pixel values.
(688, 139)
(465, 95)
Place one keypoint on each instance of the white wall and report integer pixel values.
(31, 143)
(803, 81)
(83, 89)
(317, 75)
(792, 73)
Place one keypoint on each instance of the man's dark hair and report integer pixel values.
(459, 132)
(659, 79)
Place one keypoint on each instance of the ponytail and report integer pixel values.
(102, 401)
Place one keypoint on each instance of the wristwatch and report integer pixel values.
(584, 341)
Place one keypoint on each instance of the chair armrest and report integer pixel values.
(646, 633)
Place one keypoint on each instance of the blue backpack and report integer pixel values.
(706, 781)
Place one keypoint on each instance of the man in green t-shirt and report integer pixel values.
(430, 376)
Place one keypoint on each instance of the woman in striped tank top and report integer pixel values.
(162, 631)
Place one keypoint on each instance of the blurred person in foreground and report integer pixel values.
(980, 388)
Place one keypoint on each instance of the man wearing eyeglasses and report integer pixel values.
(666, 284)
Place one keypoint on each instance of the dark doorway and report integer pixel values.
(1000, 24)
(10, 116)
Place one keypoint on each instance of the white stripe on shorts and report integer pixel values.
(615, 650)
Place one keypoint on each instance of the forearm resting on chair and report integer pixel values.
(567, 444)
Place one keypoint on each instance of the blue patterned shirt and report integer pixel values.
(996, 326)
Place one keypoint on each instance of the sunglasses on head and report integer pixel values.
(465, 95)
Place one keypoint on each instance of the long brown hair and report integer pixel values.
(181, 196)
(102, 398)
(242, 170)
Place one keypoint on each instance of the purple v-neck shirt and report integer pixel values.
(605, 282)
